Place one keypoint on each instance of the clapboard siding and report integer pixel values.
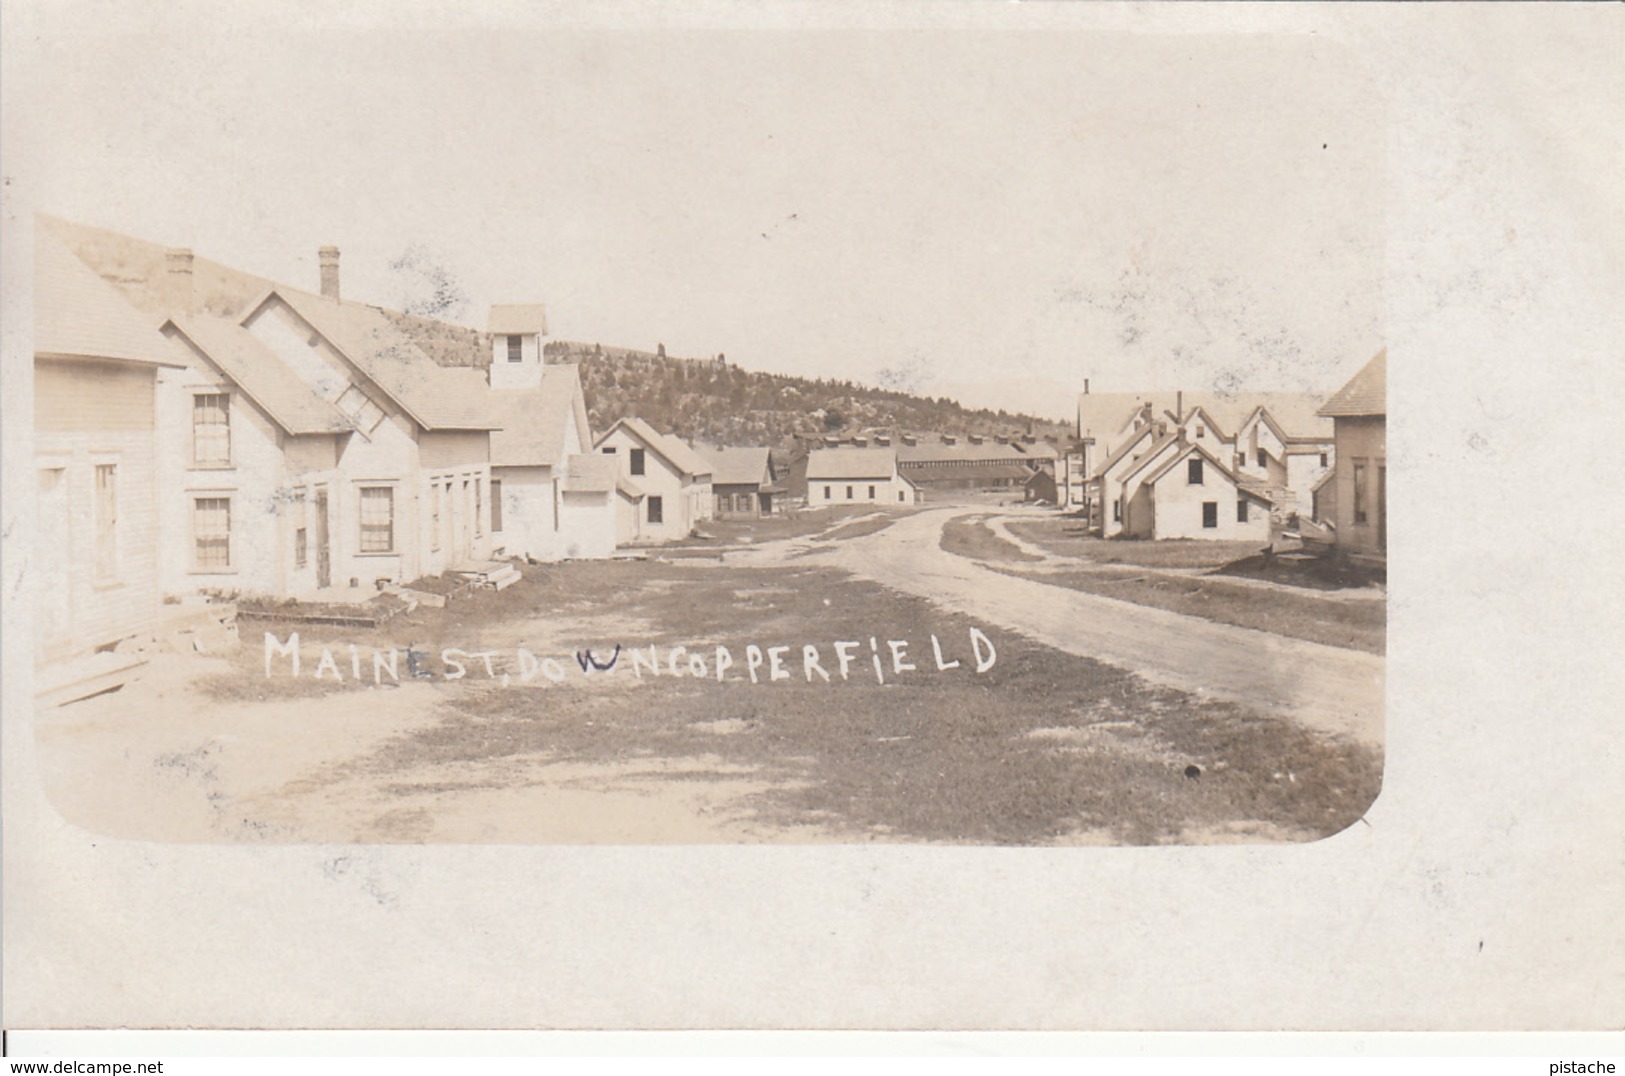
(89, 414)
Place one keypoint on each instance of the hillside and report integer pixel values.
(711, 400)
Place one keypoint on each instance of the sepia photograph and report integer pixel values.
(805, 516)
(940, 518)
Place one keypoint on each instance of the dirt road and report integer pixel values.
(1324, 687)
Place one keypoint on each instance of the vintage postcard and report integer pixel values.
(576, 488)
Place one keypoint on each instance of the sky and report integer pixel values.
(996, 215)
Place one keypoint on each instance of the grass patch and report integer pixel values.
(801, 523)
(1045, 746)
(971, 538)
(1318, 573)
(1067, 538)
(1353, 625)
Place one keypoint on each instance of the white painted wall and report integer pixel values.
(1178, 507)
(525, 374)
(683, 504)
(887, 492)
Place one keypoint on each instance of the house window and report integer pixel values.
(637, 461)
(377, 519)
(211, 532)
(609, 450)
(1263, 458)
(1323, 459)
(301, 535)
(358, 407)
(1361, 492)
(900, 496)
(829, 491)
(211, 429)
(1241, 509)
(657, 510)
(849, 493)
(723, 501)
(1201, 432)
(516, 348)
(1210, 514)
(496, 506)
(435, 498)
(106, 521)
(1193, 472)
(1117, 511)
(871, 493)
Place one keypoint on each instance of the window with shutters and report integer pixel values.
(211, 533)
(106, 521)
(211, 429)
(377, 519)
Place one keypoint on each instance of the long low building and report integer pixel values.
(857, 476)
(972, 462)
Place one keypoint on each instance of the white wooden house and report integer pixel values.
(1180, 489)
(857, 476)
(1271, 444)
(663, 486)
(553, 497)
(94, 550)
(311, 448)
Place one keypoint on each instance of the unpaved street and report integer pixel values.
(1324, 687)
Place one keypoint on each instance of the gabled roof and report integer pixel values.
(1175, 458)
(517, 319)
(1158, 447)
(1102, 415)
(679, 455)
(535, 421)
(628, 489)
(1365, 394)
(433, 396)
(738, 466)
(77, 314)
(261, 375)
(1122, 450)
(851, 463)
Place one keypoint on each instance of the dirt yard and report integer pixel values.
(1040, 747)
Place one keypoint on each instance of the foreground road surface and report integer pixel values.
(1324, 687)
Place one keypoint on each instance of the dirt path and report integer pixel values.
(1325, 687)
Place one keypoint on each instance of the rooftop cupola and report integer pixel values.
(518, 335)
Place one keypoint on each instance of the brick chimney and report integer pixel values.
(329, 259)
(177, 285)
